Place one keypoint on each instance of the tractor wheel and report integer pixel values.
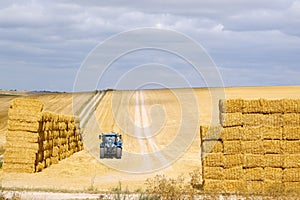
(102, 153)
(119, 153)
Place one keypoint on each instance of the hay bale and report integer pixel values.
(291, 161)
(291, 147)
(271, 132)
(291, 175)
(216, 173)
(274, 174)
(47, 154)
(291, 105)
(233, 160)
(232, 147)
(253, 147)
(213, 160)
(234, 173)
(231, 119)
(255, 187)
(206, 132)
(13, 125)
(253, 160)
(291, 187)
(273, 186)
(47, 162)
(18, 168)
(291, 119)
(39, 167)
(54, 160)
(272, 146)
(234, 186)
(232, 133)
(55, 151)
(25, 145)
(213, 185)
(20, 160)
(231, 105)
(15, 153)
(212, 146)
(32, 105)
(254, 174)
(23, 136)
(273, 160)
(24, 116)
(291, 133)
(272, 106)
(253, 106)
(47, 144)
(252, 119)
(251, 133)
(273, 120)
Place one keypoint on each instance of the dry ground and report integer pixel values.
(154, 116)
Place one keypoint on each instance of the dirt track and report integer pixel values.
(154, 116)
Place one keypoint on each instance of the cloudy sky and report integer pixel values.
(44, 43)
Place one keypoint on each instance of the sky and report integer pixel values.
(43, 44)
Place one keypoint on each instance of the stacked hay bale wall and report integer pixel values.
(37, 139)
(255, 149)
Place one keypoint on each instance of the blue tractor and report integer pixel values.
(111, 145)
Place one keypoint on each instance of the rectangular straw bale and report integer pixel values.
(291, 133)
(272, 106)
(291, 175)
(234, 173)
(273, 120)
(273, 186)
(292, 147)
(253, 160)
(272, 146)
(47, 154)
(54, 160)
(212, 146)
(255, 187)
(55, 151)
(24, 116)
(213, 160)
(19, 152)
(216, 173)
(254, 174)
(291, 119)
(13, 125)
(47, 162)
(32, 105)
(232, 133)
(210, 132)
(291, 187)
(272, 173)
(273, 160)
(251, 133)
(232, 147)
(39, 167)
(291, 161)
(210, 185)
(22, 136)
(231, 105)
(253, 106)
(291, 105)
(231, 119)
(271, 132)
(252, 119)
(20, 160)
(21, 168)
(234, 186)
(47, 144)
(26, 145)
(253, 147)
(233, 160)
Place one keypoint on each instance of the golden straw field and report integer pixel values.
(161, 111)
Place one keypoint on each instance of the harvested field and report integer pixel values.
(87, 171)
